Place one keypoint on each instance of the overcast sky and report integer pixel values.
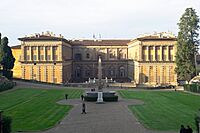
(83, 18)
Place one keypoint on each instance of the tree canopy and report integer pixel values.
(6, 57)
(187, 44)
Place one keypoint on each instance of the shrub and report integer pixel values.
(6, 85)
(110, 99)
(192, 87)
(89, 98)
(7, 124)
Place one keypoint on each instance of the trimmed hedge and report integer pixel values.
(7, 124)
(192, 87)
(110, 99)
(106, 99)
(6, 85)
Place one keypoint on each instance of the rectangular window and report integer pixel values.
(34, 48)
(144, 57)
(48, 48)
(78, 57)
(34, 57)
(26, 48)
(54, 48)
(55, 57)
(171, 58)
(41, 48)
(41, 57)
(164, 57)
(48, 57)
(158, 57)
(27, 57)
(151, 57)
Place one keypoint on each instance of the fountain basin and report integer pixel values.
(109, 96)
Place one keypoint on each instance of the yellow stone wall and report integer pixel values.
(154, 61)
(17, 67)
(150, 61)
(46, 61)
(106, 52)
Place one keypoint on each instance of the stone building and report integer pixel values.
(153, 59)
(45, 58)
(114, 55)
(147, 60)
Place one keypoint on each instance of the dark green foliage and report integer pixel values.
(6, 57)
(91, 99)
(192, 88)
(7, 74)
(7, 124)
(106, 97)
(187, 44)
(110, 99)
(6, 86)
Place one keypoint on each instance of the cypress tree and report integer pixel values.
(187, 44)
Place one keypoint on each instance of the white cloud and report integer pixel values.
(82, 18)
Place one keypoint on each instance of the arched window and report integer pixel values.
(122, 72)
(78, 72)
(78, 56)
(111, 72)
(87, 55)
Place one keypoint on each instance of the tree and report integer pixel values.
(6, 58)
(187, 44)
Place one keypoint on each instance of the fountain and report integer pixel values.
(100, 96)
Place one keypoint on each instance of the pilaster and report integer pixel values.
(23, 53)
(31, 72)
(45, 74)
(51, 48)
(167, 74)
(154, 74)
(37, 49)
(161, 75)
(38, 73)
(140, 52)
(31, 53)
(23, 72)
(148, 53)
(167, 54)
(45, 53)
(52, 74)
(161, 53)
(154, 53)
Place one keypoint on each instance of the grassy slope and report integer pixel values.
(35, 109)
(164, 110)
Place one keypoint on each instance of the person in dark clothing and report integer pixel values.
(182, 130)
(66, 96)
(189, 129)
(82, 97)
(83, 108)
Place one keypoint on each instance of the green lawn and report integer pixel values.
(35, 109)
(164, 110)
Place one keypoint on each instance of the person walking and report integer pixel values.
(82, 97)
(83, 108)
(182, 130)
(189, 129)
(66, 96)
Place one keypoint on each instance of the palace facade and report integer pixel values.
(148, 59)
